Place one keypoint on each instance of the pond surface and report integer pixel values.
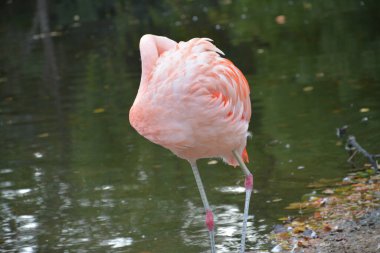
(74, 175)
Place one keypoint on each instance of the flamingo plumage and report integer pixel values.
(195, 103)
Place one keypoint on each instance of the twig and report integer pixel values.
(349, 160)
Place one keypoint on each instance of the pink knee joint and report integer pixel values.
(209, 220)
(248, 182)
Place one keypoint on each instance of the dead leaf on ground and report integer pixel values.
(317, 215)
(327, 227)
(298, 229)
(328, 191)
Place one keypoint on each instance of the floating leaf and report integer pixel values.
(308, 88)
(43, 135)
(307, 6)
(337, 111)
(211, 162)
(99, 110)
(322, 183)
(281, 19)
(319, 74)
(364, 109)
(296, 205)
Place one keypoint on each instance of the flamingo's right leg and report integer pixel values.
(209, 214)
(248, 191)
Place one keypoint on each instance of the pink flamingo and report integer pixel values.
(196, 104)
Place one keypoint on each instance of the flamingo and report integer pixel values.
(195, 103)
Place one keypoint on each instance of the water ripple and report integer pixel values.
(117, 242)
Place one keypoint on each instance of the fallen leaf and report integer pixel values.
(332, 200)
(322, 183)
(283, 235)
(299, 229)
(354, 197)
(327, 227)
(297, 223)
(343, 189)
(303, 244)
(319, 74)
(43, 135)
(308, 88)
(296, 205)
(364, 109)
(212, 162)
(99, 110)
(328, 191)
(317, 215)
(281, 19)
(319, 202)
(358, 185)
(307, 5)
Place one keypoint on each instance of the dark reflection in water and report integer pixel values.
(74, 175)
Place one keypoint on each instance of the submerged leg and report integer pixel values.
(209, 214)
(248, 191)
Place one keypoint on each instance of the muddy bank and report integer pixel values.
(362, 235)
(343, 216)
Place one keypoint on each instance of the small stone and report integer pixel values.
(276, 249)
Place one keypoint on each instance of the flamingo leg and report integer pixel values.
(209, 215)
(248, 191)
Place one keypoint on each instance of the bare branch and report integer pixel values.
(352, 144)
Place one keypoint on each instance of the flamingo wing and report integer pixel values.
(196, 68)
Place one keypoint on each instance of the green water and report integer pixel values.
(74, 175)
